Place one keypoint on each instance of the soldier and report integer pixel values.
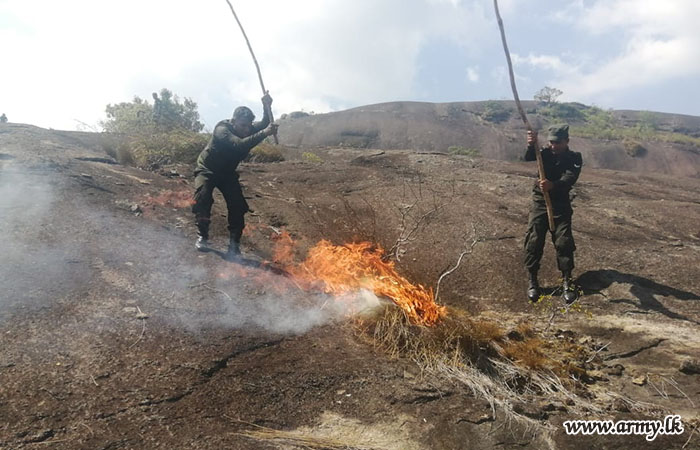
(561, 170)
(230, 143)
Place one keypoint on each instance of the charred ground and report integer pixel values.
(117, 334)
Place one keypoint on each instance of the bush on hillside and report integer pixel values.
(634, 148)
(265, 153)
(496, 112)
(564, 112)
(149, 135)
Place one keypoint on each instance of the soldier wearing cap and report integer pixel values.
(230, 143)
(561, 170)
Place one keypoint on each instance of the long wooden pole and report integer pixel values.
(255, 60)
(540, 165)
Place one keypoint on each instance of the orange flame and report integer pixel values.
(350, 267)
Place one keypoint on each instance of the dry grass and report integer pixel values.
(528, 354)
(500, 366)
(302, 440)
(265, 153)
(523, 366)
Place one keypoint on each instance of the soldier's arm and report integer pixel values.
(267, 104)
(262, 124)
(239, 146)
(570, 175)
(530, 154)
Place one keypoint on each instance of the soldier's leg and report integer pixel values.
(564, 244)
(534, 240)
(203, 201)
(534, 246)
(237, 207)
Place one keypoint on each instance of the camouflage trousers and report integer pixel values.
(562, 237)
(230, 188)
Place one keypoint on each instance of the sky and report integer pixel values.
(62, 62)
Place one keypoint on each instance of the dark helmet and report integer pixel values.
(244, 113)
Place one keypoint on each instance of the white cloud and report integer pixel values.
(661, 44)
(69, 59)
(473, 74)
(548, 62)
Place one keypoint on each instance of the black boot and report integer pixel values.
(570, 290)
(202, 243)
(234, 250)
(533, 287)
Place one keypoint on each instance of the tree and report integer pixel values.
(3, 118)
(548, 95)
(166, 113)
(169, 113)
(150, 135)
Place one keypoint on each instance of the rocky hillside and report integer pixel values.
(620, 140)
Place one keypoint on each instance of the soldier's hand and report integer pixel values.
(531, 138)
(266, 99)
(271, 129)
(546, 185)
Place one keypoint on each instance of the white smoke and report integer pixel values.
(34, 266)
(59, 247)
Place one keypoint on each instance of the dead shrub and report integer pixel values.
(528, 354)
(117, 147)
(265, 153)
(634, 148)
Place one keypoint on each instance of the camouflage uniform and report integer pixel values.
(563, 170)
(216, 168)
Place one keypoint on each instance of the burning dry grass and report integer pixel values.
(341, 269)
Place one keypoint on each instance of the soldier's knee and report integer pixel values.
(534, 238)
(565, 244)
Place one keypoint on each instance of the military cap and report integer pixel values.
(243, 112)
(559, 132)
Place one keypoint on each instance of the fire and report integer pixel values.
(339, 269)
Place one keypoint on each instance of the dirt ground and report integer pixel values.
(117, 334)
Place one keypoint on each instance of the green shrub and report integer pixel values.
(149, 135)
(156, 149)
(463, 151)
(563, 112)
(496, 112)
(311, 158)
(165, 114)
(264, 153)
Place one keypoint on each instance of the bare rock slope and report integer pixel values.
(117, 334)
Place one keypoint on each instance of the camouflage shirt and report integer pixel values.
(226, 150)
(562, 170)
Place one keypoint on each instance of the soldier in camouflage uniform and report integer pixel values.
(561, 170)
(230, 143)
